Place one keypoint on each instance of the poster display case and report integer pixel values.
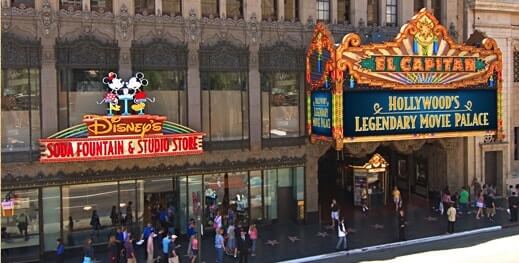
(372, 177)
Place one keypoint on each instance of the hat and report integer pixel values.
(174, 236)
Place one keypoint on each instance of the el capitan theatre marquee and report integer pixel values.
(422, 85)
(125, 132)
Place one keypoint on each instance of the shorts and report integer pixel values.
(194, 252)
(479, 204)
(335, 215)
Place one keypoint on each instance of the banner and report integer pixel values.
(392, 112)
(321, 113)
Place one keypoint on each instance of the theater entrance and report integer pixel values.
(418, 168)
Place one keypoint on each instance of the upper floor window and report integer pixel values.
(343, 11)
(70, 5)
(101, 5)
(436, 6)
(145, 7)
(391, 12)
(291, 10)
(234, 8)
(323, 10)
(210, 8)
(21, 100)
(22, 3)
(269, 9)
(516, 66)
(372, 13)
(418, 5)
(172, 7)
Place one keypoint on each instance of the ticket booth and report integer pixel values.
(371, 176)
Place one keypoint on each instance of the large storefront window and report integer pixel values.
(20, 221)
(81, 204)
(280, 104)
(256, 196)
(20, 110)
(82, 65)
(80, 90)
(225, 107)
(51, 206)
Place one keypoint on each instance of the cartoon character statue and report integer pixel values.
(425, 42)
(125, 93)
(110, 97)
(140, 96)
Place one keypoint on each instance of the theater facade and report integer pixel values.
(199, 115)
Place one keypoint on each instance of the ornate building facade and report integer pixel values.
(232, 69)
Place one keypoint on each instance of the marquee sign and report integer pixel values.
(421, 85)
(132, 134)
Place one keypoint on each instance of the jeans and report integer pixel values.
(219, 255)
(253, 246)
(341, 240)
(450, 227)
(463, 208)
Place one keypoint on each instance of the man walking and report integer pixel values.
(513, 202)
(451, 217)
(341, 234)
(219, 245)
(244, 246)
(463, 200)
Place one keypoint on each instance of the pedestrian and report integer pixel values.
(513, 202)
(113, 216)
(94, 222)
(130, 251)
(492, 191)
(165, 248)
(253, 235)
(129, 214)
(172, 254)
(148, 229)
(217, 221)
(22, 222)
(243, 246)
(219, 245)
(396, 198)
(476, 188)
(402, 224)
(490, 207)
(70, 224)
(341, 234)
(113, 250)
(364, 200)
(335, 212)
(451, 218)
(480, 203)
(446, 198)
(88, 251)
(60, 251)
(150, 247)
(231, 241)
(194, 248)
(230, 216)
(463, 200)
(510, 191)
(191, 233)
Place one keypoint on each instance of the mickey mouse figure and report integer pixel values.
(110, 97)
(140, 97)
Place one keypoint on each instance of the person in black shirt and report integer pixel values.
(513, 202)
(335, 212)
(243, 245)
(401, 225)
(490, 207)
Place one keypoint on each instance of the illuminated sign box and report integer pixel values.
(321, 113)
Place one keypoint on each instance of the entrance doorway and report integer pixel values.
(493, 169)
(161, 204)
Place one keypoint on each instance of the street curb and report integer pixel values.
(392, 245)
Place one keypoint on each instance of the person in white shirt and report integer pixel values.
(341, 233)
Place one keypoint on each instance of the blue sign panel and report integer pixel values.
(321, 113)
(393, 112)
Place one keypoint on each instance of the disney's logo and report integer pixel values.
(116, 125)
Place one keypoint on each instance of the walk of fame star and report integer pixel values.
(431, 218)
(377, 226)
(272, 242)
(293, 238)
(322, 234)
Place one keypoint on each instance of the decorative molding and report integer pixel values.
(281, 57)
(223, 56)
(47, 18)
(87, 51)
(123, 22)
(152, 55)
(20, 53)
(192, 28)
(11, 181)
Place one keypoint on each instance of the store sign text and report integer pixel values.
(123, 125)
(321, 113)
(87, 149)
(422, 64)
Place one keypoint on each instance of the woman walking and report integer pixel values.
(94, 222)
(401, 225)
(341, 233)
(480, 203)
(113, 250)
(150, 247)
(194, 249)
(253, 235)
(396, 198)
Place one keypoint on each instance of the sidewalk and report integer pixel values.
(284, 242)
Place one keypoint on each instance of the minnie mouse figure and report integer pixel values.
(110, 97)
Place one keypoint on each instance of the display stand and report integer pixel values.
(372, 176)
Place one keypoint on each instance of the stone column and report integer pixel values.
(333, 11)
(313, 153)
(49, 86)
(254, 99)
(158, 7)
(281, 10)
(382, 12)
(193, 90)
(405, 11)
(359, 11)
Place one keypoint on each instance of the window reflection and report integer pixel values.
(20, 109)
(280, 104)
(145, 7)
(234, 8)
(172, 7)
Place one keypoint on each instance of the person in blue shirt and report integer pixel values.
(191, 232)
(145, 234)
(219, 245)
(60, 251)
(165, 248)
